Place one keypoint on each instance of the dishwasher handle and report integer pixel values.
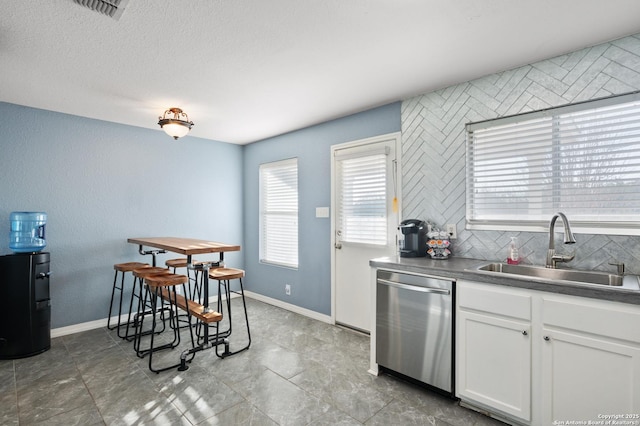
(413, 287)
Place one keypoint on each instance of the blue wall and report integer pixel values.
(101, 183)
(311, 282)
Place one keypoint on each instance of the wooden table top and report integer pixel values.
(187, 246)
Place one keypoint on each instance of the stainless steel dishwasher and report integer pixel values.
(414, 327)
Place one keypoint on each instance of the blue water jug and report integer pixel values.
(27, 232)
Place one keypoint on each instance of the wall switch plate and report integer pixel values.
(322, 211)
(287, 289)
(451, 230)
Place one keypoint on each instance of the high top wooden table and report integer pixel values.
(188, 247)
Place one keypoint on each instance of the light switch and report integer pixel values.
(322, 211)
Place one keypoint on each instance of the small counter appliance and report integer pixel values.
(414, 241)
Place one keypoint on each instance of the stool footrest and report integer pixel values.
(192, 307)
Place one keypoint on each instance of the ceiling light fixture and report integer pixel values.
(175, 123)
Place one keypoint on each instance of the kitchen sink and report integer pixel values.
(573, 275)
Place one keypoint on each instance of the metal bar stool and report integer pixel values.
(144, 305)
(192, 288)
(123, 268)
(162, 288)
(224, 277)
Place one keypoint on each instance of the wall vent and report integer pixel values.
(112, 8)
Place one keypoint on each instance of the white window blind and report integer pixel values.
(362, 204)
(582, 159)
(279, 213)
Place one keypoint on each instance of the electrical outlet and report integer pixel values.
(451, 230)
(287, 289)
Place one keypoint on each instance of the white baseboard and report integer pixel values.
(289, 307)
(84, 326)
(92, 325)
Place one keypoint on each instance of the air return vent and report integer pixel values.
(112, 8)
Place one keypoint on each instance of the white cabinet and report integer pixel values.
(494, 349)
(496, 363)
(538, 358)
(590, 360)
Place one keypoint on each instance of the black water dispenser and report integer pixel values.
(25, 306)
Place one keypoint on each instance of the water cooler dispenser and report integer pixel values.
(25, 306)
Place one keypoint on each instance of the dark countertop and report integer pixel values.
(463, 268)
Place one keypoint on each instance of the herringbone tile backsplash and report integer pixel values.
(433, 146)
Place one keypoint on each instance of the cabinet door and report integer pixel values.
(494, 363)
(586, 377)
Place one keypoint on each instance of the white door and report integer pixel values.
(364, 184)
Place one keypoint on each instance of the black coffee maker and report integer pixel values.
(414, 243)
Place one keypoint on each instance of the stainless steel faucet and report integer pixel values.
(552, 257)
(619, 265)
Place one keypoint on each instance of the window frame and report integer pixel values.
(263, 255)
(622, 227)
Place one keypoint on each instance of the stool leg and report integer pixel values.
(155, 296)
(228, 292)
(120, 308)
(173, 322)
(188, 292)
(198, 297)
(139, 322)
(113, 292)
(139, 316)
(197, 287)
(203, 344)
(192, 284)
(227, 296)
(193, 343)
(246, 315)
(128, 336)
(219, 338)
(192, 351)
(149, 300)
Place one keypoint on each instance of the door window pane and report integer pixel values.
(362, 206)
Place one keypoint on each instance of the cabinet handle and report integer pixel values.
(524, 332)
(547, 338)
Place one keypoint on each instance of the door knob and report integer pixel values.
(547, 338)
(338, 245)
(524, 332)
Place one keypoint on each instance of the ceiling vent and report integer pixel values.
(112, 8)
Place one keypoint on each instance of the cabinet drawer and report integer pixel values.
(495, 300)
(614, 320)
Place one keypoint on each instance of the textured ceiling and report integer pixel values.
(245, 70)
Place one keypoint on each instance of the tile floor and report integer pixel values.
(298, 371)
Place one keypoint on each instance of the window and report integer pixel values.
(581, 159)
(279, 213)
(362, 202)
